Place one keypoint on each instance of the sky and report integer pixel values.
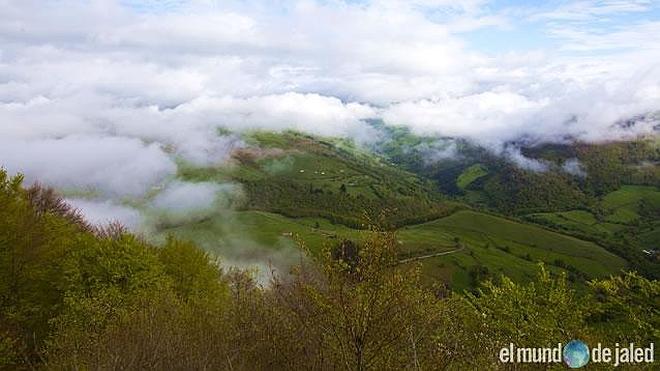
(101, 98)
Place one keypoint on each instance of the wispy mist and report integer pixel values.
(103, 98)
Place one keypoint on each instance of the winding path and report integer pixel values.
(422, 257)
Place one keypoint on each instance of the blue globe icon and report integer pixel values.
(576, 354)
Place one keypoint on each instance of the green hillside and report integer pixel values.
(482, 177)
(323, 191)
(478, 245)
(493, 245)
(627, 209)
(262, 229)
(600, 192)
(470, 175)
(626, 220)
(301, 176)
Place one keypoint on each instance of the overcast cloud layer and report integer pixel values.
(105, 95)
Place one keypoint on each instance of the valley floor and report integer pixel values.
(459, 249)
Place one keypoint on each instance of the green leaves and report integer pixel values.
(77, 298)
(193, 273)
(627, 308)
(60, 279)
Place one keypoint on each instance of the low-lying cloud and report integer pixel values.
(172, 75)
(514, 155)
(180, 202)
(110, 166)
(102, 99)
(102, 213)
(574, 167)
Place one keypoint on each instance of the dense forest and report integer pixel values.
(73, 296)
(508, 187)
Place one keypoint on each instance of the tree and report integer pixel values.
(627, 308)
(194, 274)
(370, 316)
(543, 312)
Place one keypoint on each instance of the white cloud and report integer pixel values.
(627, 37)
(101, 213)
(91, 85)
(552, 107)
(593, 9)
(182, 197)
(305, 112)
(574, 167)
(113, 166)
(486, 115)
(515, 156)
(180, 203)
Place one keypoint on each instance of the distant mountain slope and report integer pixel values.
(322, 191)
(301, 176)
(527, 176)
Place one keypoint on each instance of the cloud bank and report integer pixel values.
(103, 97)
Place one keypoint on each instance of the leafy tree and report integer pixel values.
(369, 316)
(627, 308)
(193, 272)
(542, 313)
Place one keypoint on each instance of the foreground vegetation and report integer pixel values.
(77, 297)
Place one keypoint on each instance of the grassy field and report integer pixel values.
(318, 191)
(630, 211)
(625, 205)
(651, 238)
(579, 220)
(301, 176)
(479, 240)
(471, 174)
(264, 229)
(504, 246)
(630, 196)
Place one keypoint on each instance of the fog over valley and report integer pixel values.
(105, 99)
